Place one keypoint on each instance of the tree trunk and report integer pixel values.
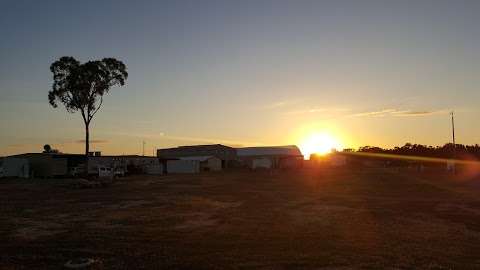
(87, 148)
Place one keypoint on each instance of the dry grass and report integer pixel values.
(311, 219)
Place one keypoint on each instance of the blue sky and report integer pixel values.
(245, 72)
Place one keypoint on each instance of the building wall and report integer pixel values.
(141, 163)
(15, 167)
(292, 162)
(46, 165)
(211, 164)
(183, 166)
(261, 163)
(226, 154)
(277, 162)
(154, 169)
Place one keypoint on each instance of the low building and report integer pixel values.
(61, 165)
(45, 164)
(281, 157)
(226, 154)
(14, 167)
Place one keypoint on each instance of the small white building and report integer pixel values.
(207, 163)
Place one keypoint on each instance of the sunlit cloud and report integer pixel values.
(213, 140)
(379, 113)
(419, 113)
(317, 110)
(281, 104)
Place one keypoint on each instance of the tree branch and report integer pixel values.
(96, 110)
(84, 117)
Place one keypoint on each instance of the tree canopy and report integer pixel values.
(80, 87)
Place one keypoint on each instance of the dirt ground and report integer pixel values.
(308, 219)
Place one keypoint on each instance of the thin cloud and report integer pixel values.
(92, 141)
(399, 113)
(281, 104)
(163, 136)
(21, 145)
(419, 113)
(276, 105)
(317, 110)
(211, 140)
(54, 143)
(375, 113)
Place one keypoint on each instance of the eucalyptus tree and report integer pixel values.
(80, 87)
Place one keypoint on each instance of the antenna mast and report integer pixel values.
(453, 140)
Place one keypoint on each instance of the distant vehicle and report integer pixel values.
(101, 171)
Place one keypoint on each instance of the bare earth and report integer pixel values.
(311, 219)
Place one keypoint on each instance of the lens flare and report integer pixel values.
(319, 143)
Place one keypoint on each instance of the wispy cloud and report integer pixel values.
(281, 104)
(419, 113)
(399, 113)
(378, 113)
(92, 141)
(21, 145)
(276, 105)
(187, 139)
(317, 110)
(213, 140)
(54, 143)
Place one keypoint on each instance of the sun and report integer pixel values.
(319, 143)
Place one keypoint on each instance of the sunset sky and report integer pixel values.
(245, 72)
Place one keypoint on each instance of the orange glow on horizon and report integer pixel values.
(319, 143)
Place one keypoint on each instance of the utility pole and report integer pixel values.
(453, 140)
(143, 148)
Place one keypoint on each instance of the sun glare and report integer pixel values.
(319, 143)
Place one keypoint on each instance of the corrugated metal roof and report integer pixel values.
(288, 150)
(199, 158)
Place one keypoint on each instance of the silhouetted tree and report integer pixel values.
(47, 148)
(445, 151)
(80, 87)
